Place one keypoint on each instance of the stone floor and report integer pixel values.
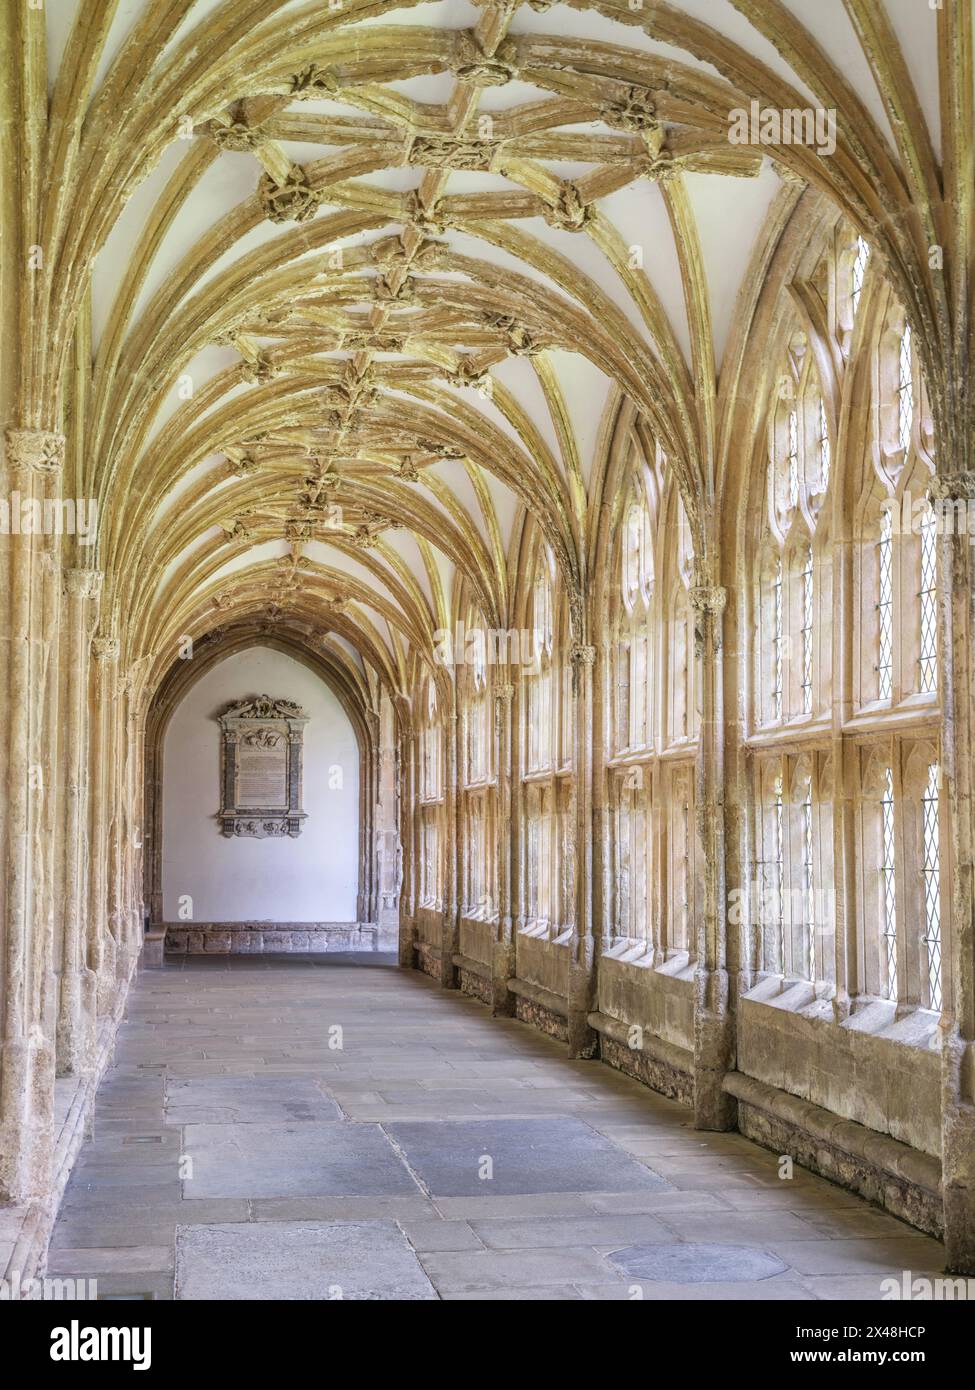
(333, 1127)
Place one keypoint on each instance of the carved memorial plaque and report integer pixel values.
(261, 768)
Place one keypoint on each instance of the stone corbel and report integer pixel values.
(708, 603)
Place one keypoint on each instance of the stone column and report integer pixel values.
(409, 791)
(583, 947)
(956, 495)
(77, 1003)
(101, 943)
(714, 1039)
(33, 461)
(390, 857)
(505, 851)
(450, 938)
(121, 906)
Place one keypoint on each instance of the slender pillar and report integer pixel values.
(408, 838)
(450, 939)
(503, 957)
(714, 1037)
(101, 942)
(956, 494)
(77, 1001)
(583, 947)
(33, 462)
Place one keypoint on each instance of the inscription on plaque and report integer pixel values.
(261, 768)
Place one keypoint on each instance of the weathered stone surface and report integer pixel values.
(308, 1260)
(512, 1156)
(697, 1264)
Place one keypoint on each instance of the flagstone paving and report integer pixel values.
(333, 1127)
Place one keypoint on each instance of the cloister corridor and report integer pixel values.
(435, 1153)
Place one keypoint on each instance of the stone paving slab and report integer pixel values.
(321, 1261)
(526, 1156)
(291, 1160)
(240, 1100)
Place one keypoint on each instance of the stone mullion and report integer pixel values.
(135, 725)
(101, 942)
(503, 958)
(408, 836)
(27, 1060)
(713, 1015)
(582, 960)
(957, 660)
(77, 997)
(125, 904)
(450, 939)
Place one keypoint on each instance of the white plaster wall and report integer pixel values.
(309, 879)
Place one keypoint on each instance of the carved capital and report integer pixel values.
(952, 487)
(580, 654)
(83, 583)
(106, 649)
(35, 451)
(706, 598)
(708, 603)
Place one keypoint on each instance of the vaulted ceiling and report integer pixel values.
(364, 282)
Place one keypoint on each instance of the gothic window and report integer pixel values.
(888, 889)
(931, 879)
(928, 601)
(431, 794)
(860, 259)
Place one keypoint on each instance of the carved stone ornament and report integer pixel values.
(39, 451)
(261, 770)
(452, 152)
(292, 201)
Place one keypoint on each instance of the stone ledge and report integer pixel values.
(471, 966)
(902, 1180)
(278, 938)
(661, 1065)
(543, 998)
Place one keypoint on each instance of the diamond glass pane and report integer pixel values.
(808, 893)
(885, 608)
(931, 874)
(888, 889)
(824, 454)
(859, 271)
(793, 458)
(905, 390)
(807, 631)
(929, 603)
